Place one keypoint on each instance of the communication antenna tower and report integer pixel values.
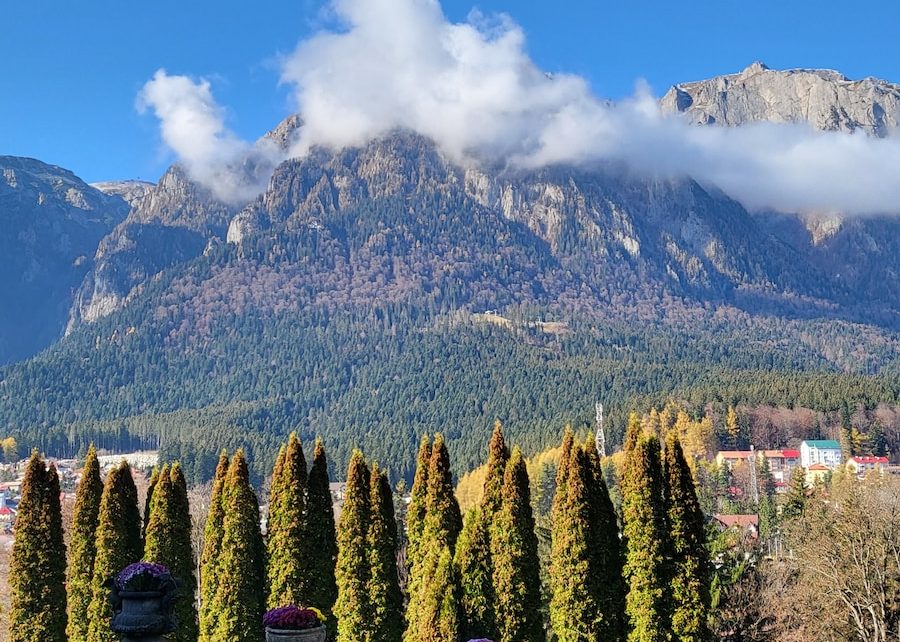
(600, 437)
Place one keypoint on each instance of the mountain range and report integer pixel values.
(316, 304)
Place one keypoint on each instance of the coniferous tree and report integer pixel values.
(353, 609)
(443, 520)
(84, 547)
(795, 502)
(439, 620)
(473, 553)
(607, 556)
(632, 433)
(689, 562)
(385, 598)
(498, 456)
(118, 545)
(768, 515)
(418, 505)
(168, 542)
(212, 547)
(151, 486)
(586, 560)
(476, 581)
(288, 555)
(321, 538)
(240, 596)
(37, 570)
(644, 519)
(433, 587)
(514, 555)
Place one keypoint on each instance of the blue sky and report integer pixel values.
(71, 71)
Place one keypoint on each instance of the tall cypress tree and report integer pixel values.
(418, 505)
(118, 545)
(352, 609)
(473, 566)
(473, 552)
(689, 563)
(321, 537)
(212, 547)
(586, 564)
(498, 456)
(240, 596)
(385, 598)
(439, 617)
(607, 556)
(84, 547)
(154, 479)
(443, 520)
(644, 516)
(168, 542)
(514, 556)
(288, 561)
(428, 577)
(37, 570)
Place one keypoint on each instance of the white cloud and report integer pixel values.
(192, 124)
(474, 90)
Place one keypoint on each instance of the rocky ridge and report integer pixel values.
(827, 100)
(52, 223)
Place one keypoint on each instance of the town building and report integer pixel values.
(826, 452)
(744, 524)
(781, 462)
(860, 465)
(817, 473)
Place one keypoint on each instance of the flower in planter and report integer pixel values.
(143, 576)
(481, 640)
(293, 618)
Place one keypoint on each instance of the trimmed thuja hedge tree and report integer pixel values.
(118, 545)
(168, 542)
(212, 548)
(289, 579)
(37, 572)
(84, 547)
(240, 573)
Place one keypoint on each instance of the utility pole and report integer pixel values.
(754, 486)
(600, 437)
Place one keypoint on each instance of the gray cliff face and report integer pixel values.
(133, 192)
(51, 224)
(169, 223)
(825, 99)
(622, 233)
(858, 255)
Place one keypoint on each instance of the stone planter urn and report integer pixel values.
(143, 602)
(317, 634)
(143, 615)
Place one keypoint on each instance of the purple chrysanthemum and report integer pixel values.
(292, 618)
(140, 575)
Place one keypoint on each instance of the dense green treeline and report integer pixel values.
(352, 382)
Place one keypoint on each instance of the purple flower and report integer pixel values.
(141, 576)
(293, 618)
(481, 640)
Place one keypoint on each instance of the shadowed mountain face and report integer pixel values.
(51, 225)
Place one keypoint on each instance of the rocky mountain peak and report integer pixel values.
(825, 99)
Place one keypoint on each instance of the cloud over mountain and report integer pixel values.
(474, 90)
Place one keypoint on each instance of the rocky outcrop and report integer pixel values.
(50, 224)
(825, 99)
(133, 192)
(169, 223)
(858, 256)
